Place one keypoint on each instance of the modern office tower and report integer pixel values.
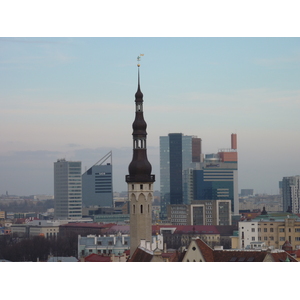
(97, 185)
(67, 189)
(178, 152)
(217, 178)
(291, 194)
(140, 181)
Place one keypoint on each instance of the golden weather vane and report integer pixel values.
(139, 58)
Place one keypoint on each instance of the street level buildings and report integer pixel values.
(273, 230)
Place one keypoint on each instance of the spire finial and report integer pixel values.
(138, 59)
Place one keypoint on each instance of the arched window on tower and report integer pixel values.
(141, 208)
(133, 208)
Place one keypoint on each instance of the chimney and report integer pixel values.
(233, 141)
(143, 244)
(165, 247)
(148, 246)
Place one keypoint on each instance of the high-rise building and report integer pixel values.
(97, 185)
(67, 189)
(178, 152)
(140, 181)
(217, 177)
(291, 194)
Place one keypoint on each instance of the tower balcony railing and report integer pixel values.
(140, 178)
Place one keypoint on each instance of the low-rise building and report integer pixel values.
(273, 230)
(199, 251)
(44, 228)
(112, 244)
(200, 212)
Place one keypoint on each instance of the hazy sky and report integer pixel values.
(73, 98)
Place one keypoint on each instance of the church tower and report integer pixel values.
(140, 181)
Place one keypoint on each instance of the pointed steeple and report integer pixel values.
(139, 168)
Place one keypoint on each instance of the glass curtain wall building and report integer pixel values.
(177, 153)
(67, 189)
(97, 183)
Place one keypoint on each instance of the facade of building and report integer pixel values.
(291, 194)
(111, 244)
(247, 192)
(140, 180)
(97, 184)
(179, 214)
(217, 177)
(178, 152)
(67, 189)
(47, 229)
(201, 212)
(211, 212)
(273, 230)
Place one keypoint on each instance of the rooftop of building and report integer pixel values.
(236, 255)
(97, 258)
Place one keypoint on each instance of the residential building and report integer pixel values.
(67, 189)
(248, 234)
(45, 228)
(272, 229)
(291, 194)
(178, 152)
(97, 183)
(111, 244)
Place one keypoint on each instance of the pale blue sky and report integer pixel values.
(74, 98)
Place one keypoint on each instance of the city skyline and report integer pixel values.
(73, 98)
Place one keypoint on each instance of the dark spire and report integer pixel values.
(139, 168)
(264, 212)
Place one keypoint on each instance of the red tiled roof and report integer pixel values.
(85, 225)
(239, 256)
(141, 255)
(197, 229)
(206, 251)
(282, 257)
(124, 229)
(211, 255)
(97, 258)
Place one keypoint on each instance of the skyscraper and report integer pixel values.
(97, 185)
(217, 177)
(140, 181)
(291, 194)
(67, 189)
(178, 152)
